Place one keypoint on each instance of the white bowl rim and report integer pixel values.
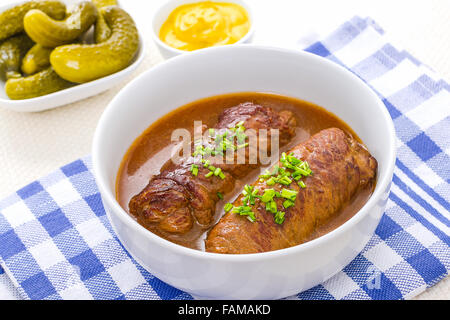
(175, 51)
(383, 182)
(15, 104)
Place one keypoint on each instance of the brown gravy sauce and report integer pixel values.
(153, 148)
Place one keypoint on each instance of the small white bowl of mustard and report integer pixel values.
(181, 26)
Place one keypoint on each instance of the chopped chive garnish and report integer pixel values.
(268, 195)
(290, 169)
(289, 194)
(199, 150)
(242, 145)
(208, 150)
(285, 180)
(241, 137)
(303, 172)
(250, 194)
(288, 204)
(228, 207)
(279, 217)
(245, 211)
(293, 160)
(275, 170)
(271, 206)
(296, 176)
(209, 174)
(194, 170)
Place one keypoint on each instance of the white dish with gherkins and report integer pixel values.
(72, 50)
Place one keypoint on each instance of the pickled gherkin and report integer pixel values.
(11, 52)
(11, 20)
(36, 59)
(87, 62)
(104, 3)
(46, 47)
(39, 84)
(102, 32)
(49, 32)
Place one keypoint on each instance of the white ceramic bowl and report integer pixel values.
(220, 70)
(161, 15)
(74, 93)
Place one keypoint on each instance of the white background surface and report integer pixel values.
(33, 145)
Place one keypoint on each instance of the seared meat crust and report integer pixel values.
(341, 167)
(175, 200)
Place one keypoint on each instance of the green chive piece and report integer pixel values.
(268, 195)
(270, 182)
(245, 211)
(241, 137)
(288, 203)
(221, 175)
(220, 195)
(217, 171)
(275, 170)
(285, 181)
(279, 217)
(208, 150)
(194, 170)
(297, 176)
(303, 172)
(199, 150)
(228, 207)
(271, 206)
(289, 194)
(209, 174)
(211, 168)
(302, 184)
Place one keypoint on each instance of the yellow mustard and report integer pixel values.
(205, 24)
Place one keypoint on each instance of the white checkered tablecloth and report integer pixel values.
(56, 243)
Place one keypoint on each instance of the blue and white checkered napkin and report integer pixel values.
(55, 240)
